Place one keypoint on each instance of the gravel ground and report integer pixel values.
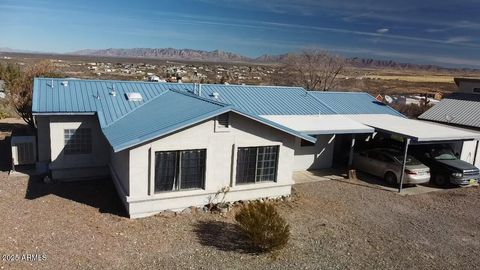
(334, 225)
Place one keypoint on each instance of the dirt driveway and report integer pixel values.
(334, 224)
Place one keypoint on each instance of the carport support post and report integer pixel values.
(402, 173)
(350, 156)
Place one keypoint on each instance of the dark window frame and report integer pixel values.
(77, 141)
(180, 171)
(257, 164)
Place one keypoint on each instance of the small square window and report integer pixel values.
(222, 123)
(77, 141)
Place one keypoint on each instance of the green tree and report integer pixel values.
(19, 86)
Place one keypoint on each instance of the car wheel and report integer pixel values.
(441, 180)
(391, 179)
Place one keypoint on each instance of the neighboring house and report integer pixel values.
(171, 146)
(461, 109)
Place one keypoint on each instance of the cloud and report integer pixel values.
(456, 40)
(383, 30)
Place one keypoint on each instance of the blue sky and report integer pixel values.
(442, 32)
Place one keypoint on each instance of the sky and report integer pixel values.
(440, 32)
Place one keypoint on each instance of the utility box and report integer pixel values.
(24, 150)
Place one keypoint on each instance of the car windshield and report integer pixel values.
(442, 154)
(410, 160)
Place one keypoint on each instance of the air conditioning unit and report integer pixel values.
(24, 150)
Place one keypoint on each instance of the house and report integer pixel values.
(461, 109)
(169, 146)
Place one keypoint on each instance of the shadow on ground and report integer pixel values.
(6, 129)
(98, 193)
(223, 236)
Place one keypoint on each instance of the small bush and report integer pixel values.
(262, 224)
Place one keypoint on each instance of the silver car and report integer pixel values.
(387, 164)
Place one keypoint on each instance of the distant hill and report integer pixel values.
(222, 56)
(169, 53)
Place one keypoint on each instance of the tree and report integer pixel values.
(312, 69)
(19, 86)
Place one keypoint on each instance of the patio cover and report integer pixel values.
(320, 124)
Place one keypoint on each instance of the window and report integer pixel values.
(476, 90)
(257, 164)
(305, 143)
(77, 141)
(179, 170)
(222, 123)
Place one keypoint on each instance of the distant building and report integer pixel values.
(468, 85)
(461, 109)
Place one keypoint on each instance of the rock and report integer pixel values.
(187, 211)
(168, 213)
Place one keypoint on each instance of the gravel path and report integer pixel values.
(335, 225)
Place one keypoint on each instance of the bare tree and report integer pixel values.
(312, 69)
(20, 88)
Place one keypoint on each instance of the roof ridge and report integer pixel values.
(323, 103)
(173, 83)
(186, 93)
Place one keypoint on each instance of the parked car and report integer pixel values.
(446, 167)
(387, 164)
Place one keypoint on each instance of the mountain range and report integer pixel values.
(222, 56)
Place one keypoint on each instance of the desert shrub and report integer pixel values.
(411, 110)
(264, 227)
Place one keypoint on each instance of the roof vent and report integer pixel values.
(134, 96)
(65, 83)
(215, 95)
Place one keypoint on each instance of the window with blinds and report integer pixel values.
(180, 170)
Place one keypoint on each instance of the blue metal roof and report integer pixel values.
(166, 113)
(266, 100)
(164, 109)
(93, 96)
(353, 103)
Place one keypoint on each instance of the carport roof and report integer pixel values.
(320, 124)
(418, 131)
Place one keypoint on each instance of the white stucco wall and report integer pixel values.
(220, 165)
(315, 157)
(468, 151)
(78, 165)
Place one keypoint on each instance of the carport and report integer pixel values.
(413, 132)
(336, 125)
